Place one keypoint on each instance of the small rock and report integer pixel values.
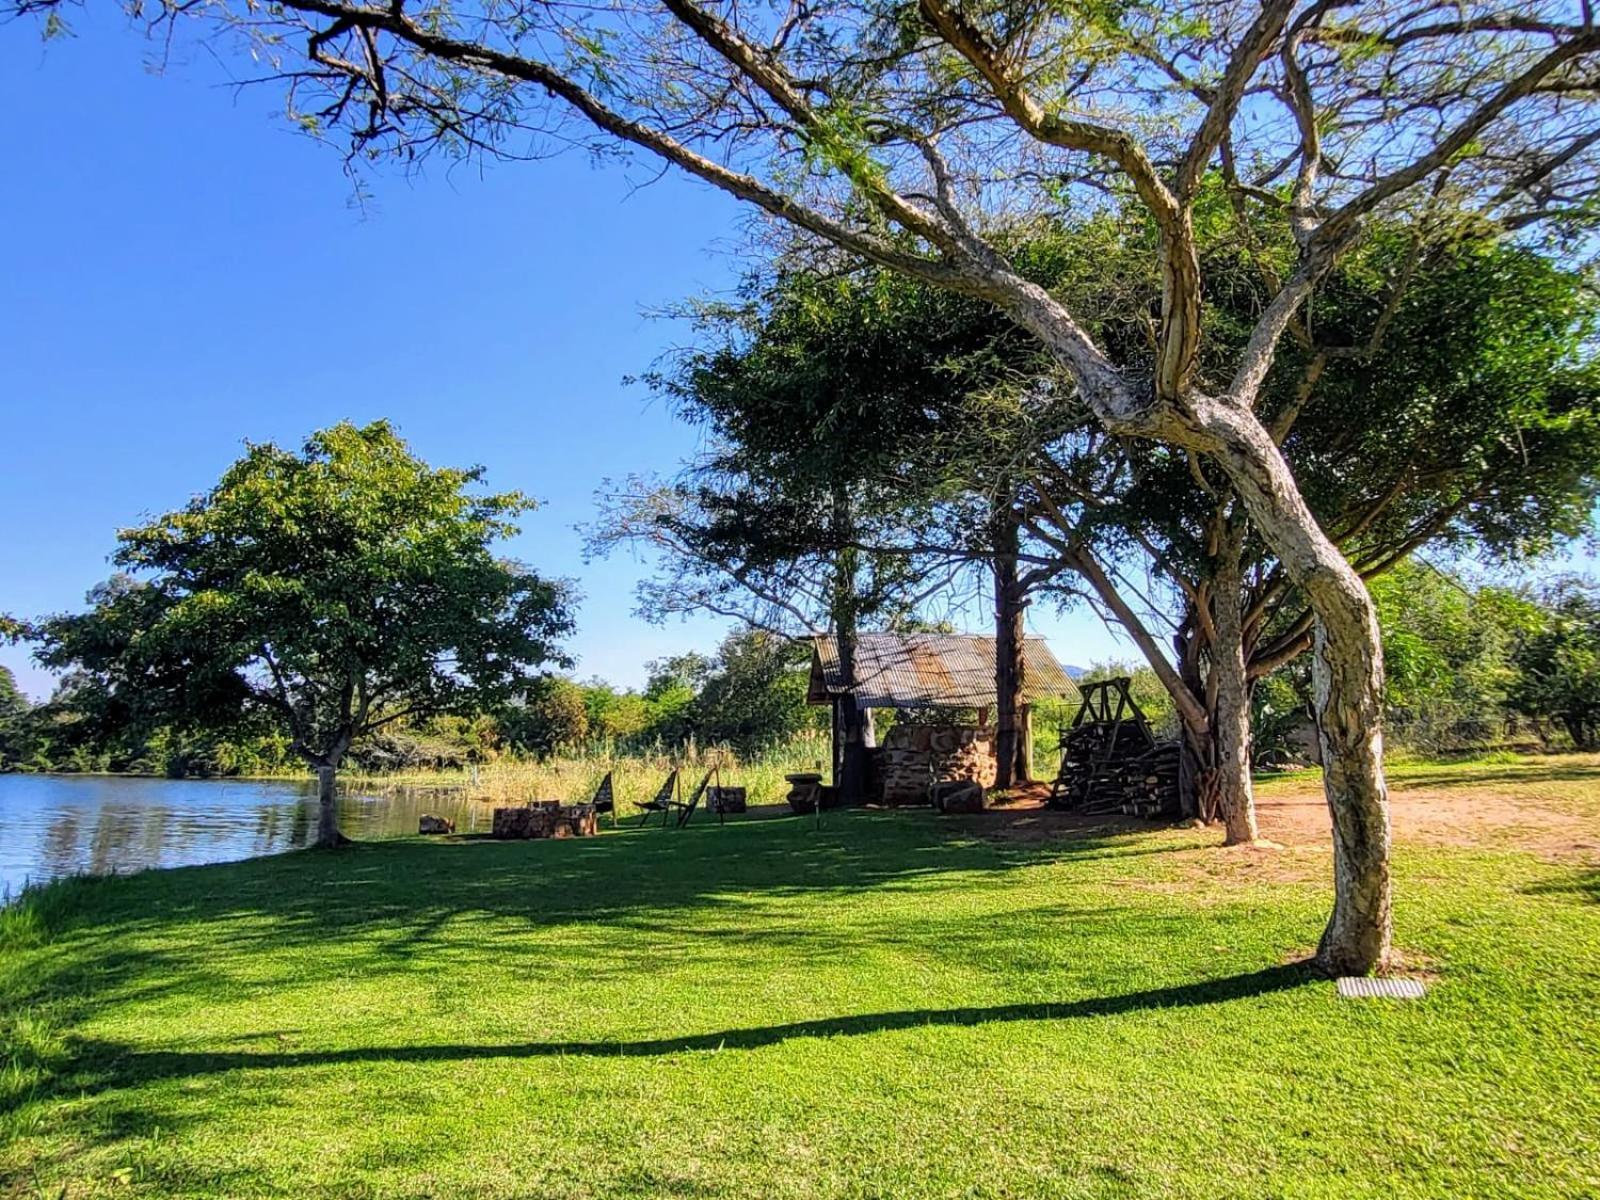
(432, 824)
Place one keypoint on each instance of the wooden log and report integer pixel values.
(726, 800)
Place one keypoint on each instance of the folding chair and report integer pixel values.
(662, 802)
(605, 799)
(686, 808)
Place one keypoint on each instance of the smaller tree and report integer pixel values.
(755, 695)
(616, 715)
(15, 737)
(336, 591)
(1559, 666)
(550, 715)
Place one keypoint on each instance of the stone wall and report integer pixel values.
(916, 756)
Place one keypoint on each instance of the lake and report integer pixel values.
(53, 825)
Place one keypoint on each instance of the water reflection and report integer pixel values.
(53, 825)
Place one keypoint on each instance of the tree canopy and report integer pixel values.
(332, 591)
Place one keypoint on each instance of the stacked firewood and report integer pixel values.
(546, 819)
(1130, 779)
(915, 757)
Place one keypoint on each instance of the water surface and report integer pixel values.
(53, 825)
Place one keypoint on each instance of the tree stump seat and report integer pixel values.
(804, 791)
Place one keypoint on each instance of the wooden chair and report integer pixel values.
(686, 808)
(605, 799)
(662, 802)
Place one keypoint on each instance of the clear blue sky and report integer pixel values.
(179, 271)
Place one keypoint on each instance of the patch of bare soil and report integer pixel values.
(1483, 815)
(1548, 809)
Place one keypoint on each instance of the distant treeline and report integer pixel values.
(1467, 667)
(749, 695)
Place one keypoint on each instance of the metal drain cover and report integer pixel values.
(1360, 987)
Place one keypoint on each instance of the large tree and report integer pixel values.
(867, 440)
(332, 591)
(1440, 394)
(894, 131)
(15, 740)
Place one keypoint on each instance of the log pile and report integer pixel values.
(1111, 762)
(917, 756)
(1143, 785)
(545, 819)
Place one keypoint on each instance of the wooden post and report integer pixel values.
(834, 742)
(1025, 745)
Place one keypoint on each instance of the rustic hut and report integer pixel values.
(933, 671)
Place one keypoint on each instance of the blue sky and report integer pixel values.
(179, 271)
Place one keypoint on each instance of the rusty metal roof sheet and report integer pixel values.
(930, 670)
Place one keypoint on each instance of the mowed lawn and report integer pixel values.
(895, 1005)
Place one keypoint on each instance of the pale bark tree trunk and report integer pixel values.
(1230, 711)
(1347, 681)
(326, 766)
(1347, 670)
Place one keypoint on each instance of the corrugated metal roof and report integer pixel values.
(930, 670)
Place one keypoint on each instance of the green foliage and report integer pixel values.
(1454, 662)
(750, 696)
(15, 728)
(330, 593)
(755, 693)
(858, 423)
(1559, 664)
(1280, 716)
(1481, 403)
(615, 715)
(1447, 656)
(552, 714)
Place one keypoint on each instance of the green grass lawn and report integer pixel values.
(890, 1006)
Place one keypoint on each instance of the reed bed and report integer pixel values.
(637, 774)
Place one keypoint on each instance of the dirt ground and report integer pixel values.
(1495, 812)
(1548, 805)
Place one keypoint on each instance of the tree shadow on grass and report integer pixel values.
(1468, 778)
(1584, 884)
(621, 903)
(409, 888)
(103, 1066)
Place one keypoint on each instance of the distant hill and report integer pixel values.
(1074, 672)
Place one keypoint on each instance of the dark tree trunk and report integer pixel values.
(1580, 731)
(327, 812)
(1010, 662)
(853, 752)
(852, 767)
